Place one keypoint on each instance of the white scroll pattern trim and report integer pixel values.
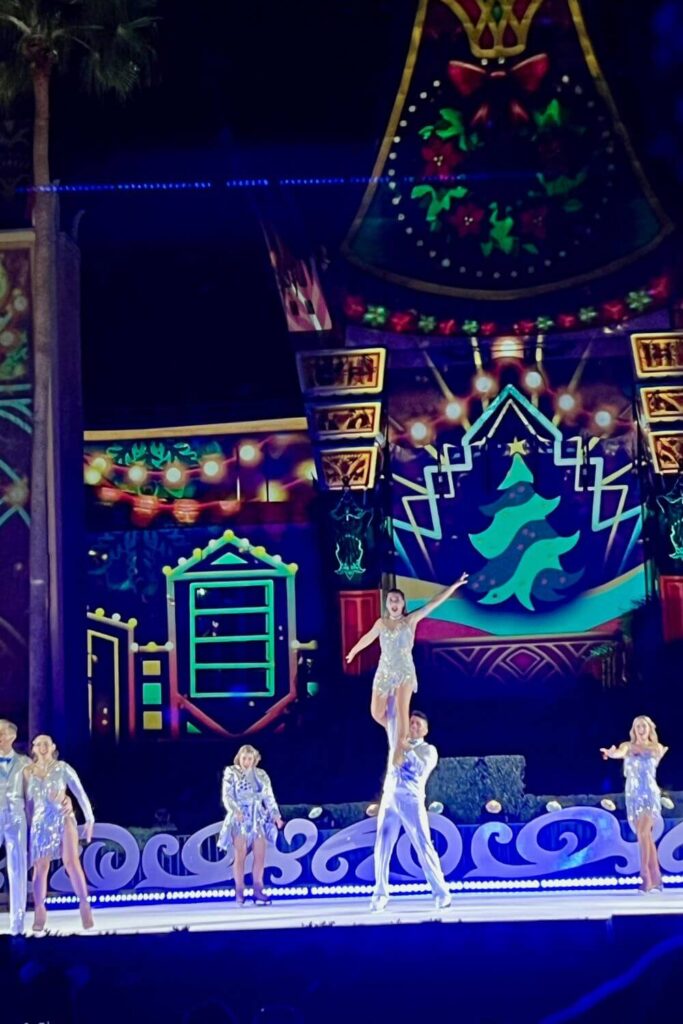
(330, 862)
(606, 843)
(355, 837)
(98, 862)
(669, 847)
(201, 871)
(287, 864)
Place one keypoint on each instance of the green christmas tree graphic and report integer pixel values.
(522, 549)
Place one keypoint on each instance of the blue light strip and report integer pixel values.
(229, 183)
(318, 891)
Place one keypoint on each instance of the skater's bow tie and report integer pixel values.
(5, 760)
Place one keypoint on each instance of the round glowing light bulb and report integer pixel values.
(248, 452)
(100, 462)
(418, 431)
(174, 475)
(483, 383)
(533, 380)
(211, 468)
(92, 476)
(454, 410)
(566, 402)
(603, 418)
(137, 474)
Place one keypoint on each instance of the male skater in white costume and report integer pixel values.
(13, 822)
(403, 803)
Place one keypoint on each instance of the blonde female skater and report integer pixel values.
(52, 825)
(252, 818)
(641, 756)
(395, 675)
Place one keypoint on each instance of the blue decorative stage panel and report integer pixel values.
(575, 847)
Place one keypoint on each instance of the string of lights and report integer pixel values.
(206, 185)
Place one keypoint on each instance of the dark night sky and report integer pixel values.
(181, 321)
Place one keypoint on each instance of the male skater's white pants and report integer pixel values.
(13, 835)
(401, 808)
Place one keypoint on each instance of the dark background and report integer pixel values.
(181, 320)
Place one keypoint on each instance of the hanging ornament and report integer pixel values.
(352, 523)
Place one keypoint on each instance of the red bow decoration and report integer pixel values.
(526, 77)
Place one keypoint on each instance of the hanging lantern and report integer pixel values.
(186, 511)
(145, 507)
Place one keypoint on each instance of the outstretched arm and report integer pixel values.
(364, 642)
(427, 609)
(616, 753)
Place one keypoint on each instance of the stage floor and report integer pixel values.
(468, 908)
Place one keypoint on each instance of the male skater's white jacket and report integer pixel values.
(403, 803)
(13, 833)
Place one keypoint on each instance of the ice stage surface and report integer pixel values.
(467, 908)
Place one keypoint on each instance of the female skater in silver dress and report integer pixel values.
(641, 756)
(52, 825)
(395, 675)
(252, 818)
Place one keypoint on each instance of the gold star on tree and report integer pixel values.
(517, 447)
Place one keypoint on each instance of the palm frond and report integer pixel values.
(14, 79)
(109, 40)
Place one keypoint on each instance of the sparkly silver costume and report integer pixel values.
(396, 667)
(642, 792)
(46, 815)
(403, 803)
(252, 810)
(13, 833)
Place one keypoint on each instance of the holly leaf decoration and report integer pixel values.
(530, 247)
(438, 200)
(563, 185)
(137, 453)
(459, 192)
(500, 235)
(159, 453)
(552, 117)
(451, 124)
(427, 132)
(573, 206)
(185, 451)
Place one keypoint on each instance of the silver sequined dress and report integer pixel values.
(642, 792)
(396, 667)
(251, 794)
(46, 815)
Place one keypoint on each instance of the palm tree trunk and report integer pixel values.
(42, 490)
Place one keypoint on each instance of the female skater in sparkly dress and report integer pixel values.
(252, 818)
(395, 673)
(52, 826)
(641, 756)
